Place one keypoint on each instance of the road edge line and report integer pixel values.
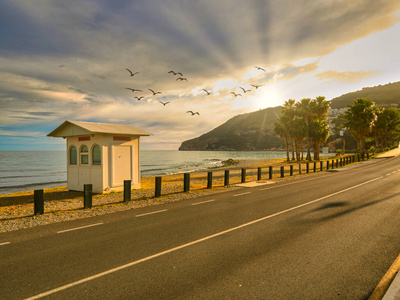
(384, 285)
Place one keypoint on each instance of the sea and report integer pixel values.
(30, 170)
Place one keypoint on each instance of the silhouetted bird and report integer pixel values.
(154, 93)
(244, 90)
(259, 68)
(134, 90)
(208, 93)
(139, 98)
(132, 74)
(163, 103)
(236, 94)
(181, 79)
(175, 73)
(255, 86)
(193, 113)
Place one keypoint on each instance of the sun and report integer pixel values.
(266, 96)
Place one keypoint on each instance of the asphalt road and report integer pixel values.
(330, 236)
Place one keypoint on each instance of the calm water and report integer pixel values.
(29, 170)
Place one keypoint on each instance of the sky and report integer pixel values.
(68, 60)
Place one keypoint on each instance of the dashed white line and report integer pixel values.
(5, 243)
(133, 263)
(82, 227)
(151, 213)
(241, 194)
(208, 201)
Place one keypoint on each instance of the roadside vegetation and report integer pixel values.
(367, 127)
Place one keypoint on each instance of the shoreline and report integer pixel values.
(16, 209)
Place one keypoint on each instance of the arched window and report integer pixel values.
(73, 156)
(96, 155)
(84, 155)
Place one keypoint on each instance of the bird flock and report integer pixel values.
(182, 78)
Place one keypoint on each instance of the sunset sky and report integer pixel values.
(66, 60)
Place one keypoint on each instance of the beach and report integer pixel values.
(16, 209)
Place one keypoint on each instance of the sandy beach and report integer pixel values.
(16, 210)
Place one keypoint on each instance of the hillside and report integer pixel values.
(382, 95)
(251, 131)
(254, 131)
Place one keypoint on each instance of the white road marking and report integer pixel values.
(388, 174)
(78, 228)
(241, 194)
(208, 201)
(5, 243)
(72, 284)
(151, 213)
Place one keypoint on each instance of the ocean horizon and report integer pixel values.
(29, 170)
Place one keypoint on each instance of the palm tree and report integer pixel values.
(359, 119)
(304, 110)
(281, 129)
(319, 131)
(289, 111)
(385, 126)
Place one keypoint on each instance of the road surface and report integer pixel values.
(329, 236)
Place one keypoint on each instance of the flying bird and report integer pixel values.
(208, 93)
(236, 94)
(255, 86)
(181, 79)
(163, 103)
(139, 98)
(244, 90)
(259, 68)
(193, 113)
(132, 74)
(154, 93)
(134, 90)
(175, 73)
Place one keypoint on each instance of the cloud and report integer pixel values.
(346, 77)
(62, 60)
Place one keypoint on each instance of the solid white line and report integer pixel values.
(82, 227)
(151, 213)
(241, 194)
(197, 203)
(72, 284)
(5, 243)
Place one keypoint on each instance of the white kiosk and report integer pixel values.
(103, 155)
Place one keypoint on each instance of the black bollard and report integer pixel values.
(87, 195)
(226, 179)
(259, 174)
(300, 168)
(291, 170)
(158, 187)
(270, 172)
(38, 205)
(282, 171)
(315, 166)
(127, 190)
(186, 182)
(209, 179)
(327, 165)
(321, 165)
(243, 176)
(308, 168)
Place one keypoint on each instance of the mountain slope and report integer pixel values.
(251, 131)
(382, 95)
(254, 131)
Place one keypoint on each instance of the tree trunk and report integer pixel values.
(293, 151)
(287, 148)
(316, 151)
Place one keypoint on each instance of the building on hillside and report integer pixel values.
(100, 154)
